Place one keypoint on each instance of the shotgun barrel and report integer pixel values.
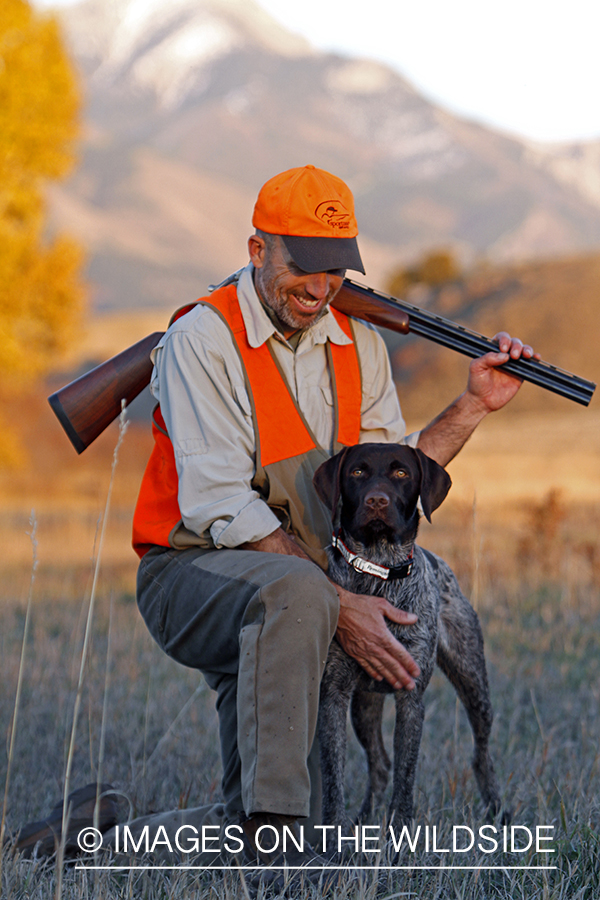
(470, 343)
(85, 407)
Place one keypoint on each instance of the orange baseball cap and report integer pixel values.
(313, 212)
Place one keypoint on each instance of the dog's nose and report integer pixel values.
(377, 500)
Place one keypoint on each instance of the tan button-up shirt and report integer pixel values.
(199, 383)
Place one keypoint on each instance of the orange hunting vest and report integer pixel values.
(287, 454)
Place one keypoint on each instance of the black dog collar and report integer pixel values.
(386, 573)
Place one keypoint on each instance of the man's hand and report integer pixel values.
(364, 635)
(487, 385)
(276, 542)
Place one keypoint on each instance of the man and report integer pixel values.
(257, 385)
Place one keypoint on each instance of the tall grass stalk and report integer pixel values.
(146, 720)
(84, 652)
(104, 716)
(13, 727)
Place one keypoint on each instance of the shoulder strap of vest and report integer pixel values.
(225, 300)
(347, 378)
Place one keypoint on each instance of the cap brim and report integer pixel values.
(321, 254)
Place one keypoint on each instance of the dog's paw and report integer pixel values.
(506, 816)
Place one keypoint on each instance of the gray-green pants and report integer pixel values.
(258, 625)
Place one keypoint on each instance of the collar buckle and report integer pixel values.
(359, 564)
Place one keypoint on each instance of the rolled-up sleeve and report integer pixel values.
(199, 383)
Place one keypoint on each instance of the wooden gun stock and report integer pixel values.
(85, 407)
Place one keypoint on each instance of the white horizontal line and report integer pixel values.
(307, 868)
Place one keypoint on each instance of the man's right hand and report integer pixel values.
(364, 635)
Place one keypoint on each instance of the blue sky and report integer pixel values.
(528, 67)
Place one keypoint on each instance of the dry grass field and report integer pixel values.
(520, 529)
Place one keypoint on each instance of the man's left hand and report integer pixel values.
(487, 385)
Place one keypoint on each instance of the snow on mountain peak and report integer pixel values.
(172, 67)
(164, 46)
(360, 76)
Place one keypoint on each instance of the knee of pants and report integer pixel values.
(304, 586)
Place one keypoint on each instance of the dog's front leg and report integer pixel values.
(366, 712)
(336, 690)
(410, 713)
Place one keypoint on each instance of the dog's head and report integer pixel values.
(379, 486)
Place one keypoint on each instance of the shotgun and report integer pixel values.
(85, 407)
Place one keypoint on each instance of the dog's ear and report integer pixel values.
(326, 480)
(435, 484)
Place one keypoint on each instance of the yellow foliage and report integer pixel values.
(38, 309)
(39, 100)
(399, 281)
(439, 267)
(11, 452)
(436, 268)
(40, 293)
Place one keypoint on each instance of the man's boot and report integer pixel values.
(281, 847)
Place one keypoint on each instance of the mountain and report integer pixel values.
(576, 164)
(193, 104)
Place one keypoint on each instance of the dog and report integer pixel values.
(375, 492)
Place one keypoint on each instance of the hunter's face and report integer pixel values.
(298, 298)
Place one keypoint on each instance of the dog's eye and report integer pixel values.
(399, 473)
(357, 472)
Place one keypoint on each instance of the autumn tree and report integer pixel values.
(40, 289)
(436, 268)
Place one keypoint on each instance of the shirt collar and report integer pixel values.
(260, 328)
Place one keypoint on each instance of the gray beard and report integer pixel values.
(277, 305)
(283, 318)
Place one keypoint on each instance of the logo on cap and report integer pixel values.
(334, 214)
